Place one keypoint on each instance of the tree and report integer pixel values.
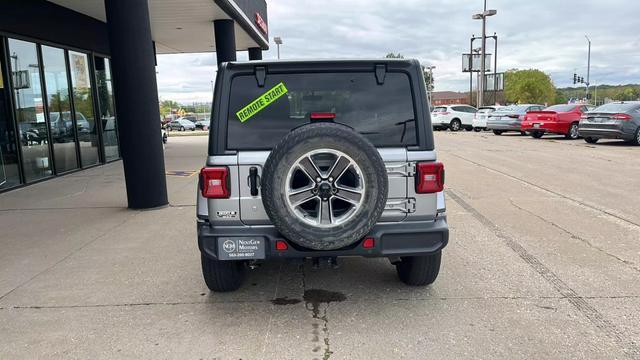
(428, 78)
(627, 94)
(167, 105)
(561, 98)
(529, 86)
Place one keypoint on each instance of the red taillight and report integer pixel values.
(624, 117)
(214, 182)
(281, 245)
(322, 115)
(369, 243)
(430, 177)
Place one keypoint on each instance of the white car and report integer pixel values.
(453, 117)
(480, 117)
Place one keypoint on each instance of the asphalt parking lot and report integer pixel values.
(543, 262)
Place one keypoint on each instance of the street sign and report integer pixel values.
(477, 60)
(491, 80)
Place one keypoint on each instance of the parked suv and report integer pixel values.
(453, 117)
(320, 159)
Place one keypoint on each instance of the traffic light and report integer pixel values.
(575, 78)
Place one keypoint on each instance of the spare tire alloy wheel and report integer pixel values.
(324, 186)
(342, 182)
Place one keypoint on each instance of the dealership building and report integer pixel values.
(78, 81)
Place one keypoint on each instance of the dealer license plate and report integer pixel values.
(237, 248)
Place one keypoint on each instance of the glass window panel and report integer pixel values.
(9, 172)
(83, 105)
(61, 125)
(29, 109)
(107, 110)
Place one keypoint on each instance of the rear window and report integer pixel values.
(561, 108)
(384, 114)
(440, 109)
(616, 107)
(486, 110)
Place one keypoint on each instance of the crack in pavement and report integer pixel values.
(417, 299)
(542, 188)
(629, 347)
(629, 264)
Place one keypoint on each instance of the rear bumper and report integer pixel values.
(502, 126)
(606, 133)
(546, 127)
(413, 238)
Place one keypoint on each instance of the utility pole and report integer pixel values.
(483, 16)
(278, 41)
(588, 65)
(482, 55)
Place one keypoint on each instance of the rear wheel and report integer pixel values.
(455, 125)
(591, 140)
(537, 134)
(419, 270)
(181, 128)
(497, 132)
(223, 276)
(477, 129)
(573, 132)
(523, 133)
(636, 140)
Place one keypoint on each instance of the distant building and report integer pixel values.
(439, 98)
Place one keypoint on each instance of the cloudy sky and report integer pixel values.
(542, 34)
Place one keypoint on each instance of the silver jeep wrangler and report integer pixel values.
(320, 160)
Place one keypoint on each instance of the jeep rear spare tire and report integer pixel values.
(324, 186)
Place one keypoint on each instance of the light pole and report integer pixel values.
(278, 41)
(588, 65)
(483, 16)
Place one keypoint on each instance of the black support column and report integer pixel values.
(136, 95)
(225, 36)
(255, 53)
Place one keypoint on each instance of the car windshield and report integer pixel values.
(561, 108)
(616, 107)
(383, 113)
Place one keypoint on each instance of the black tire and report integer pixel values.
(477, 129)
(181, 128)
(419, 270)
(223, 276)
(164, 138)
(591, 140)
(468, 128)
(573, 132)
(455, 125)
(523, 133)
(497, 132)
(537, 134)
(636, 140)
(286, 154)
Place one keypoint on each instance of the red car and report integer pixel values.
(560, 119)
